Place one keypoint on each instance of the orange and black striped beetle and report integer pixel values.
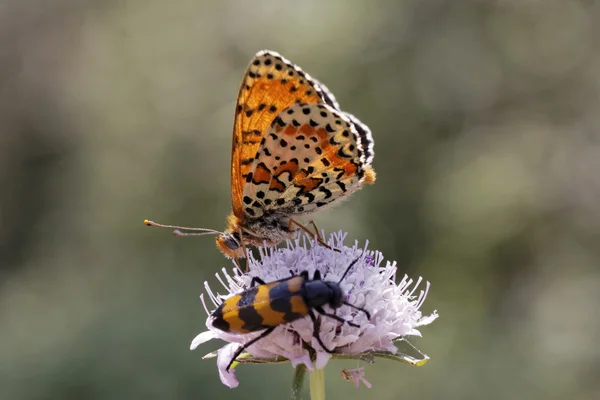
(269, 305)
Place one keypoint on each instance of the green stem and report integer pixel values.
(317, 385)
(299, 374)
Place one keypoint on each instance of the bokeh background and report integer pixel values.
(485, 116)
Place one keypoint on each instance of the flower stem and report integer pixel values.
(299, 374)
(317, 385)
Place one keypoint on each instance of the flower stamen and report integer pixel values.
(357, 375)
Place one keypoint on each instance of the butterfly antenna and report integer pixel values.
(178, 230)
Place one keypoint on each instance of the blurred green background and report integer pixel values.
(485, 116)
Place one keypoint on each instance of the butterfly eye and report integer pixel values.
(231, 243)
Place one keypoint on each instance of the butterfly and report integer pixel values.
(293, 152)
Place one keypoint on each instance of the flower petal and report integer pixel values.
(366, 382)
(428, 319)
(225, 354)
(201, 338)
(322, 359)
(345, 340)
(413, 332)
(304, 359)
(391, 348)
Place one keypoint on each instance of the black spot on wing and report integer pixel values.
(340, 172)
(279, 122)
(310, 197)
(366, 139)
(326, 191)
(254, 132)
(328, 100)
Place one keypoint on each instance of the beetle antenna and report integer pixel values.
(178, 230)
(348, 269)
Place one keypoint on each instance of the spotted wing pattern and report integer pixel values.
(366, 139)
(311, 155)
(271, 83)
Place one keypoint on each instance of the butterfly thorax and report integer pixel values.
(270, 229)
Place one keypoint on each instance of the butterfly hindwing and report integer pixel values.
(271, 84)
(311, 155)
(366, 138)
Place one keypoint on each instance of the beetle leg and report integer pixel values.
(250, 343)
(317, 276)
(336, 317)
(368, 314)
(255, 280)
(316, 331)
(304, 274)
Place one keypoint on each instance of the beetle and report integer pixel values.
(269, 305)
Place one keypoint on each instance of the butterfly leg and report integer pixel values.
(319, 238)
(317, 232)
(312, 235)
(238, 264)
(244, 249)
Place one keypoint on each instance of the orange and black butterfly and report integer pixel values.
(293, 152)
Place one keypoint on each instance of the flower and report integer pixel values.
(393, 307)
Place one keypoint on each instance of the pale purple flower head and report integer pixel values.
(394, 307)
